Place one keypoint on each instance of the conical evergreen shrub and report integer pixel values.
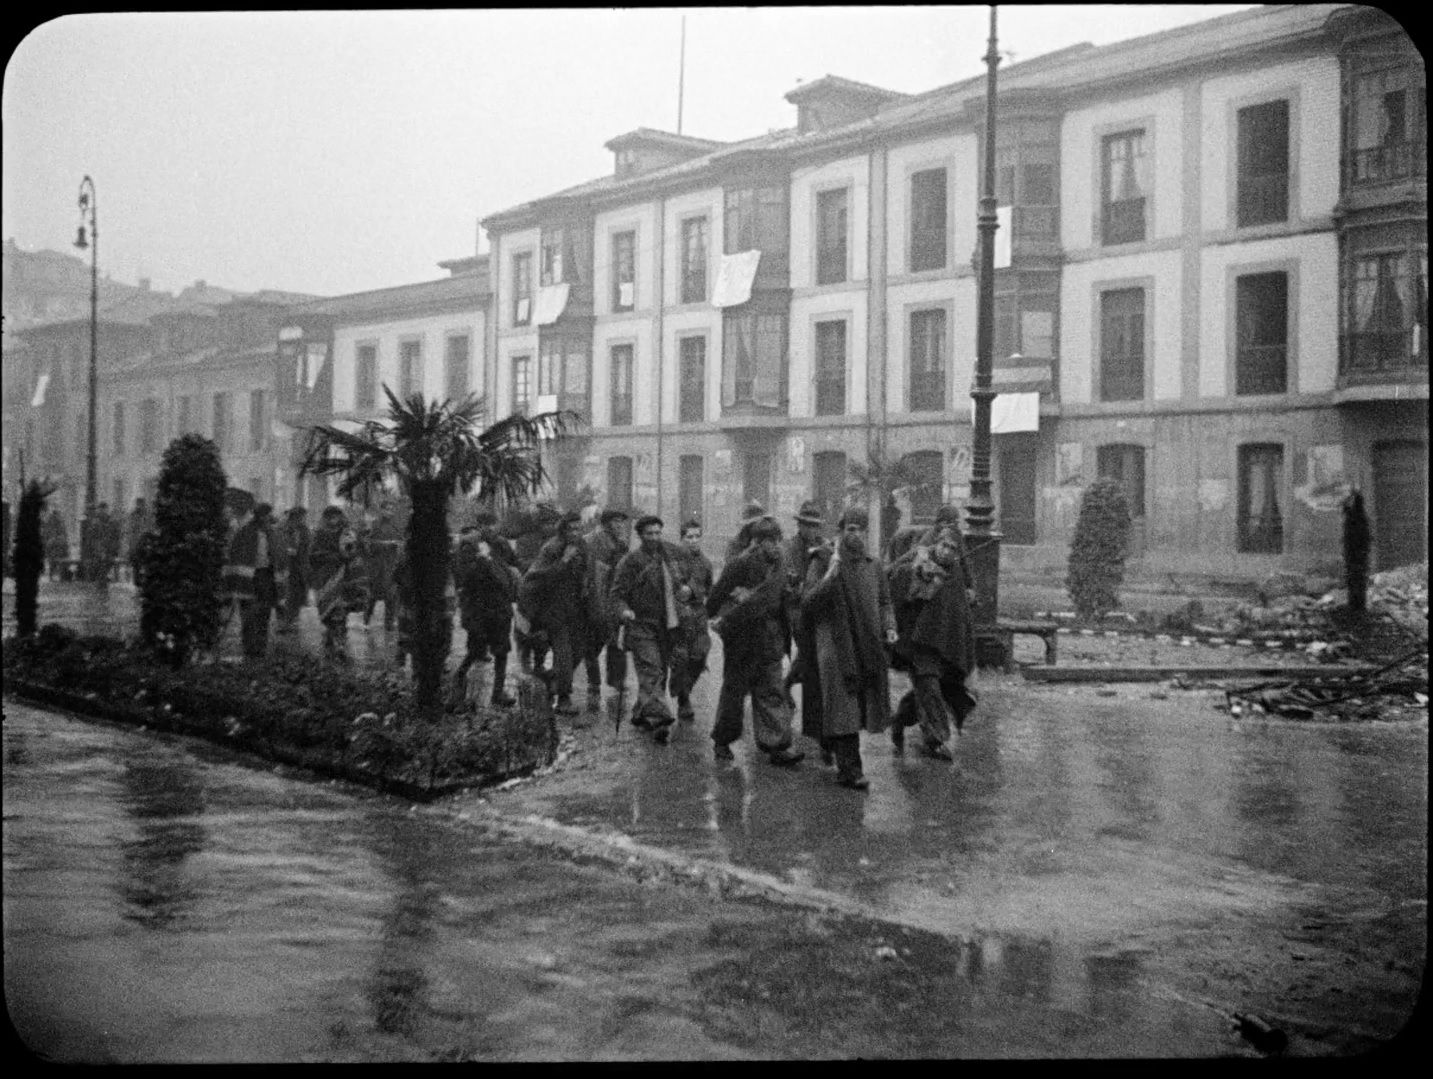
(1097, 555)
(181, 562)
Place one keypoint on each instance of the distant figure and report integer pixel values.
(335, 546)
(553, 596)
(797, 551)
(607, 544)
(57, 543)
(140, 522)
(486, 575)
(750, 514)
(689, 659)
(254, 577)
(294, 540)
(1357, 542)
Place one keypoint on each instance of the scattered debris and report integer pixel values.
(1262, 1036)
(1356, 695)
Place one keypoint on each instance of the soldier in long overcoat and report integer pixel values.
(847, 603)
(334, 550)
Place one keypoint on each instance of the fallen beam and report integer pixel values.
(1201, 674)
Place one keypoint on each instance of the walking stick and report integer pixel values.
(619, 702)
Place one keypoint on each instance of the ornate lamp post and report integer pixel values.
(88, 204)
(984, 541)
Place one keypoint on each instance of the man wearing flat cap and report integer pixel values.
(606, 545)
(649, 588)
(750, 514)
(553, 597)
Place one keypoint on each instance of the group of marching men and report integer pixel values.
(829, 604)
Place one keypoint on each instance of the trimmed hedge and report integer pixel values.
(1096, 567)
(360, 726)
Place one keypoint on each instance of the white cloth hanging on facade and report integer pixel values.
(734, 278)
(625, 293)
(1003, 236)
(316, 356)
(1012, 412)
(41, 385)
(551, 301)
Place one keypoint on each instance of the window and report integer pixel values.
(1125, 185)
(522, 385)
(756, 219)
(549, 366)
(1382, 133)
(927, 360)
(365, 389)
(756, 478)
(1262, 328)
(551, 269)
(928, 220)
(186, 414)
(928, 470)
(1263, 164)
(830, 368)
(221, 421)
(410, 368)
(455, 363)
(694, 260)
(1122, 345)
(258, 428)
(624, 271)
(828, 481)
(621, 373)
(522, 289)
(1124, 463)
(1037, 327)
(689, 488)
(1005, 325)
(619, 481)
(693, 379)
(754, 359)
(1261, 478)
(831, 237)
(118, 428)
(1389, 317)
(149, 425)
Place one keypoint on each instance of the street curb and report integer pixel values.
(649, 863)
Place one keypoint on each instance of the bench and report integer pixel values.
(1005, 631)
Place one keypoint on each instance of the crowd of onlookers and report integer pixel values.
(820, 608)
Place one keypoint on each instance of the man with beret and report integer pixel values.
(553, 597)
(649, 587)
(486, 576)
(748, 604)
(750, 514)
(607, 544)
(846, 603)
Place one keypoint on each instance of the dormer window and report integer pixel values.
(626, 162)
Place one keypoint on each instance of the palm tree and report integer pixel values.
(435, 451)
(883, 477)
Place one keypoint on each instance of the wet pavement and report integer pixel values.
(1127, 863)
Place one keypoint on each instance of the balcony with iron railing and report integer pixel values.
(1381, 164)
(1380, 358)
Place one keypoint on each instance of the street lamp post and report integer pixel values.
(984, 540)
(89, 557)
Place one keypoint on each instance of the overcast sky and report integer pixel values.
(331, 152)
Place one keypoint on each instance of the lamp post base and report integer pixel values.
(984, 553)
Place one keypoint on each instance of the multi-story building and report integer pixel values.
(1211, 272)
(337, 356)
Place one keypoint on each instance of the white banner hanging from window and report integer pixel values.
(551, 301)
(41, 385)
(734, 278)
(625, 291)
(1003, 216)
(524, 305)
(1011, 413)
(317, 357)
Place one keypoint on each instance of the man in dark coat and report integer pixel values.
(294, 540)
(649, 588)
(254, 576)
(748, 604)
(486, 576)
(553, 597)
(846, 602)
(689, 660)
(332, 553)
(607, 544)
(753, 512)
(380, 556)
(796, 552)
(931, 590)
(57, 542)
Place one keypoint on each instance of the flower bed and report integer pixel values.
(354, 725)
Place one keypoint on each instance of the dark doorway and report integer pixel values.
(1400, 503)
(1016, 456)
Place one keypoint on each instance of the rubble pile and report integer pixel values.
(1396, 690)
(1402, 594)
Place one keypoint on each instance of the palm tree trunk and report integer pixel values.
(427, 546)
